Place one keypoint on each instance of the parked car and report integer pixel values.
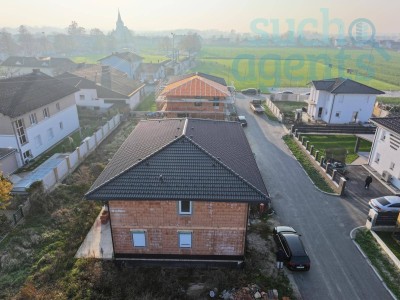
(289, 241)
(385, 204)
(250, 91)
(286, 92)
(242, 120)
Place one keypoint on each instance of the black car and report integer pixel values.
(250, 91)
(289, 241)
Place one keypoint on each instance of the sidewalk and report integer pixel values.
(98, 242)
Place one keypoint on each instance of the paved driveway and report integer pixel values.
(338, 271)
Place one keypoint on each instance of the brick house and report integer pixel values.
(180, 190)
(196, 96)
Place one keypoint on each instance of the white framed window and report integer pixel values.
(139, 238)
(46, 112)
(383, 135)
(337, 114)
(58, 106)
(38, 141)
(27, 154)
(185, 239)
(33, 118)
(185, 207)
(20, 126)
(392, 165)
(50, 133)
(377, 158)
(198, 104)
(82, 97)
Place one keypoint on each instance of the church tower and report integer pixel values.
(120, 23)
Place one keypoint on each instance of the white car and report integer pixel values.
(385, 204)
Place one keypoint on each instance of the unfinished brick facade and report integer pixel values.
(218, 228)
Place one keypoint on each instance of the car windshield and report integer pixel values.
(383, 201)
(300, 260)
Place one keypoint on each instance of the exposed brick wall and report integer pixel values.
(217, 228)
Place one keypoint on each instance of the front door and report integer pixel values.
(320, 112)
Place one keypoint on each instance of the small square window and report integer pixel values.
(198, 104)
(185, 239)
(46, 112)
(33, 118)
(377, 158)
(50, 133)
(139, 239)
(338, 114)
(185, 207)
(392, 165)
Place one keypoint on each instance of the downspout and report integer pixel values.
(333, 103)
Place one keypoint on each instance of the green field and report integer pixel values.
(389, 100)
(295, 67)
(322, 142)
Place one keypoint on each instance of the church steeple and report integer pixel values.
(120, 23)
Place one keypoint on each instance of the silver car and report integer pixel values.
(385, 204)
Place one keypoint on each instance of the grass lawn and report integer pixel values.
(265, 67)
(288, 107)
(269, 114)
(389, 100)
(388, 271)
(322, 142)
(153, 58)
(148, 104)
(308, 166)
(390, 242)
(89, 59)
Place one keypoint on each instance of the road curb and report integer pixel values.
(352, 237)
(291, 153)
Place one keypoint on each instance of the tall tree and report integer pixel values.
(5, 189)
(98, 40)
(74, 29)
(7, 44)
(26, 40)
(191, 43)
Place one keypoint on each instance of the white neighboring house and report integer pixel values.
(341, 101)
(132, 91)
(90, 94)
(152, 72)
(36, 112)
(385, 152)
(20, 65)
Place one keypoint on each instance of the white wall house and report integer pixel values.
(341, 101)
(36, 112)
(111, 85)
(126, 62)
(385, 152)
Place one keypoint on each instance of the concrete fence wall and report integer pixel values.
(289, 97)
(274, 109)
(316, 159)
(72, 161)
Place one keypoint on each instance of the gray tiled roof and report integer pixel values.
(83, 83)
(392, 123)
(344, 86)
(198, 160)
(128, 56)
(22, 94)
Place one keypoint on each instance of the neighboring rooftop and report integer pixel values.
(38, 62)
(195, 86)
(6, 151)
(392, 123)
(22, 94)
(83, 83)
(110, 78)
(128, 56)
(175, 159)
(344, 86)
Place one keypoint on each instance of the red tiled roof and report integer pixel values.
(195, 86)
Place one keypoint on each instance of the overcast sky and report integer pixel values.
(148, 15)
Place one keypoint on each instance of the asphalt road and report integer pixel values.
(338, 270)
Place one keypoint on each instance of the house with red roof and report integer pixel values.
(179, 191)
(196, 95)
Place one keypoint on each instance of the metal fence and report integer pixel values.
(347, 129)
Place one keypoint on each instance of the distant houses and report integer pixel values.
(20, 65)
(126, 62)
(341, 101)
(36, 112)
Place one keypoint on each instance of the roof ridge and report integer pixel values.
(132, 166)
(227, 167)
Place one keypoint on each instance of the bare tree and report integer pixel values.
(74, 29)
(7, 44)
(166, 44)
(191, 43)
(26, 40)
